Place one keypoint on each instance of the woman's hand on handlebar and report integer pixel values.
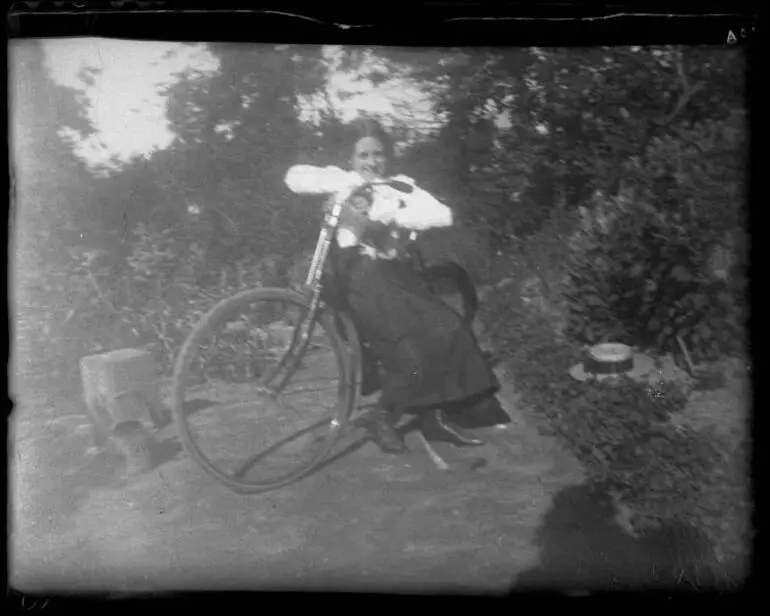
(353, 184)
(357, 185)
(352, 194)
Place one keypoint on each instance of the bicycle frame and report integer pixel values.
(313, 288)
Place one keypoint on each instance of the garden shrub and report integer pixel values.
(624, 435)
(153, 302)
(167, 318)
(545, 252)
(642, 275)
(62, 311)
(152, 299)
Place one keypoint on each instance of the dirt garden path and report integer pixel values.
(367, 521)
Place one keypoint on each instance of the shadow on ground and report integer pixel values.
(361, 518)
(583, 548)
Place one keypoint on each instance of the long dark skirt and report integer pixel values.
(429, 354)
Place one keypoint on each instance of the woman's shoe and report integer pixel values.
(384, 433)
(436, 427)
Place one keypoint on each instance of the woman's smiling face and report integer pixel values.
(369, 159)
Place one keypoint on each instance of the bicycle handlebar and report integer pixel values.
(340, 199)
(335, 203)
(399, 185)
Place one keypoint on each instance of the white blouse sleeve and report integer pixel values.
(422, 210)
(307, 179)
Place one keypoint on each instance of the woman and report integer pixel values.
(432, 364)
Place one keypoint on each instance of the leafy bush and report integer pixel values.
(168, 295)
(62, 311)
(94, 304)
(642, 275)
(544, 252)
(624, 434)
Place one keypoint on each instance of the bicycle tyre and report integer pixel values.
(346, 356)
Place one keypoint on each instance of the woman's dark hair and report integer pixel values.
(368, 127)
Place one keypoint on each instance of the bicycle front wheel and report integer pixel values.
(253, 405)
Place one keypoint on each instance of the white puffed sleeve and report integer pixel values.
(421, 209)
(307, 179)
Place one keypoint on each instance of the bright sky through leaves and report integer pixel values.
(396, 97)
(120, 80)
(122, 99)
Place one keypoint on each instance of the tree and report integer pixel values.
(51, 189)
(50, 202)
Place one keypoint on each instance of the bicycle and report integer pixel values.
(271, 372)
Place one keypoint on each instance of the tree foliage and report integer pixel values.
(662, 129)
(616, 179)
(48, 217)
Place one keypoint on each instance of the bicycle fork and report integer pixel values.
(302, 335)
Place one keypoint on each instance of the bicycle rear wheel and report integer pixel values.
(256, 408)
